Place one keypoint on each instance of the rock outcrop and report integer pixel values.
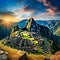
(3, 55)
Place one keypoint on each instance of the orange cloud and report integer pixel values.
(22, 10)
(42, 0)
(51, 11)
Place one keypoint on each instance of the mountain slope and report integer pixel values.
(38, 29)
(44, 31)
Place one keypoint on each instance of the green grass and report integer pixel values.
(26, 35)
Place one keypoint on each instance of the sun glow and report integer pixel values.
(7, 23)
(8, 20)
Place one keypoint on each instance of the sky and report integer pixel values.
(38, 9)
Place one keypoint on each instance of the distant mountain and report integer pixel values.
(22, 23)
(4, 31)
(54, 26)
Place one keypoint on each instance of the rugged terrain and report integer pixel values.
(33, 38)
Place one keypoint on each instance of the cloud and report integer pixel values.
(4, 12)
(33, 5)
(31, 8)
(51, 11)
(8, 16)
(52, 6)
(41, 6)
(23, 13)
(46, 16)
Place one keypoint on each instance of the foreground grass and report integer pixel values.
(14, 54)
(35, 57)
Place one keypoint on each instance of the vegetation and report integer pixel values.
(35, 46)
(26, 35)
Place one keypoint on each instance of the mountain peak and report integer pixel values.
(30, 22)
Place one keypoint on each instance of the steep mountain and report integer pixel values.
(38, 29)
(40, 22)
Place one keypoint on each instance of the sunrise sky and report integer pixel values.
(22, 9)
